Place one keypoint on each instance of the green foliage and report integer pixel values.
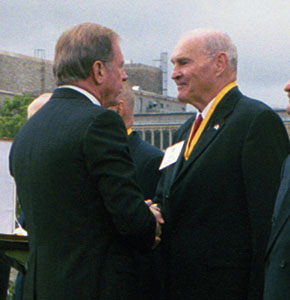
(13, 114)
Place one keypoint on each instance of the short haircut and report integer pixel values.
(78, 48)
(215, 41)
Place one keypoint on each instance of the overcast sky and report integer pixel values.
(259, 28)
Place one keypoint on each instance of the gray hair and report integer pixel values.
(215, 41)
(78, 48)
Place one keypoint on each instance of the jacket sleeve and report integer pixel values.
(113, 173)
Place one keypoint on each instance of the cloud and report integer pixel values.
(259, 28)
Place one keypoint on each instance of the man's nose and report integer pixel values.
(287, 87)
(124, 76)
(175, 74)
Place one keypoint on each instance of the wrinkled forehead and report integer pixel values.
(188, 46)
(117, 49)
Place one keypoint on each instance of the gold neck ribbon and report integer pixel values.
(203, 124)
(129, 131)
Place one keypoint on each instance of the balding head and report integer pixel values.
(125, 106)
(205, 61)
(37, 103)
(215, 41)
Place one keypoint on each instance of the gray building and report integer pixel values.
(21, 74)
(157, 115)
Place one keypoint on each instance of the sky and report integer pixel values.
(259, 28)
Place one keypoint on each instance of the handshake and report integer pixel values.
(159, 221)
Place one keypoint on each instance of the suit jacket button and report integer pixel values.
(282, 264)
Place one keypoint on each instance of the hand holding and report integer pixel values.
(159, 221)
(157, 213)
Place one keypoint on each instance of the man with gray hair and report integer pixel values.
(220, 179)
(75, 179)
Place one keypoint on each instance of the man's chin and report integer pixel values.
(181, 98)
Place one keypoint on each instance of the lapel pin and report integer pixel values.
(216, 127)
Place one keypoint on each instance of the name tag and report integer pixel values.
(171, 155)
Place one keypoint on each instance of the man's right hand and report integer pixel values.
(159, 221)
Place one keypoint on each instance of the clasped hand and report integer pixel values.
(159, 221)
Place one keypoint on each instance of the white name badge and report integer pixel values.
(171, 155)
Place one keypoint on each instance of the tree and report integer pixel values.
(13, 114)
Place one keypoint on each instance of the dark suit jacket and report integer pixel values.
(4, 279)
(83, 209)
(218, 204)
(147, 159)
(277, 268)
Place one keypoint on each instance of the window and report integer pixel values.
(148, 136)
(157, 138)
(165, 139)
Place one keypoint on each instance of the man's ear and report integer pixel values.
(99, 71)
(121, 108)
(221, 63)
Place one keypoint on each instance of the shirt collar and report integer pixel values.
(92, 98)
(224, 90)
(206, 109)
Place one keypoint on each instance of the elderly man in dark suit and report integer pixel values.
(277, 268)
(220, 179)
(75, 179)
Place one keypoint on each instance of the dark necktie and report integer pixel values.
(195, 128)
(196, 125)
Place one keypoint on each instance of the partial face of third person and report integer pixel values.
(287, 90)
(193, 70)
(116, 75)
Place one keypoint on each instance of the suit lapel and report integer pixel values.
(283, 216)
(172, 171)
(214, 127)
(284, 210)
(207, 138)
(177, 166)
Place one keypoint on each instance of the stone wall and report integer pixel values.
(146, 77)
(24, 74)
(21, 74)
